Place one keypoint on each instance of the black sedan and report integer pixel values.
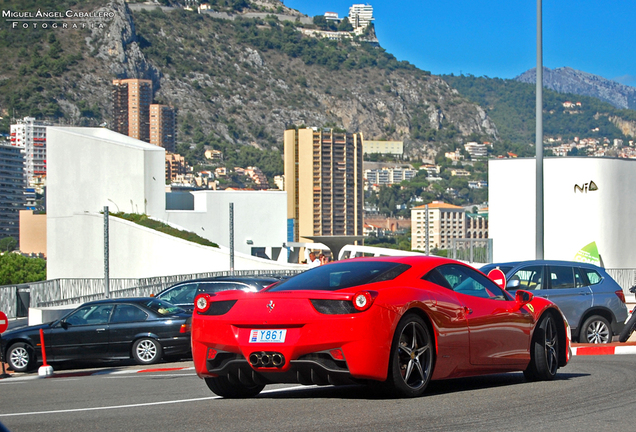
(183, 293)
(144, 328)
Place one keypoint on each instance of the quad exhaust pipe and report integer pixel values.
(267, 359)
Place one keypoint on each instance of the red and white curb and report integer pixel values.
(606, 349)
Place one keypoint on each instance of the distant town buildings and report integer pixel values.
(388, 176)
(29, 135)
(324, 183)
(12, 185)
(395, 148)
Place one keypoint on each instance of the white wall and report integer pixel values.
(259, 216)
(572, 219)
(89, 168)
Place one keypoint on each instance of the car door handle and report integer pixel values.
(100, 330)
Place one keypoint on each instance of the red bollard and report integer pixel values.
(45, 370)
(43, 350)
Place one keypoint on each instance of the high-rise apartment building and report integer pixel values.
(324, 183)
(12, 185)
(29, 135)
(360, 16)
(131, 107)
(163, 127)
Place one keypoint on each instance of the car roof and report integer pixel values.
(121, 300)
(545, 262)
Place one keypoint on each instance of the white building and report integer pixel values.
(476, 150)
(388, 176)
(586, 200)
(29, 134)
(360, 16)
(90, 168)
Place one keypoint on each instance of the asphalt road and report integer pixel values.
(591, 393)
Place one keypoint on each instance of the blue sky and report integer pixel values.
(497, 38)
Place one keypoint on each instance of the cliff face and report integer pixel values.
(238, 80)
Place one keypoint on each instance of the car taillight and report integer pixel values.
(620, 294)
(185, 328)
(362, 300)
(202, 303)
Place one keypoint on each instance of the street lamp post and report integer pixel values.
(539, 137)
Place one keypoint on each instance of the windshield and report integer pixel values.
(162, 307)
(341, 275)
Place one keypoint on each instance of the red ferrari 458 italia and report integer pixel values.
(395, 321)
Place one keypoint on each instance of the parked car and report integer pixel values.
(182, 294)
(396, 322)
(145, 329)
(592, 302)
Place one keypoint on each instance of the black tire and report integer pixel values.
(221, 386)
(596, 329)
(21, 357)
(544, 351)
(630, 326)
(412, 358)
(146, 351)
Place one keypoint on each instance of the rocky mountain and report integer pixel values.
(236, 76)
(568, 80)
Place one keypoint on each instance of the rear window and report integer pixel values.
(592, 276)
(162, 307)
(341, 275)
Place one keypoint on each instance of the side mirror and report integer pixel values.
(513, 284)
(63, 324)
(522, 297)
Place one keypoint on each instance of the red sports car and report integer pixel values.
(395, 321)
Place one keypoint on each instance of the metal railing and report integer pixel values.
(16, 299)
(471, 250)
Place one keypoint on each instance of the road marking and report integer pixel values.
(72, 410)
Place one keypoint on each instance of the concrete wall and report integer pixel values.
(259, 216)
(573, 217)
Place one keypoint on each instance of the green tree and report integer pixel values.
(17, 269)
(8, 244)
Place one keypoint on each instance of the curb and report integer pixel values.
(614, 348)
(96, 373)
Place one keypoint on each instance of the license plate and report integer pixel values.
(267, 336)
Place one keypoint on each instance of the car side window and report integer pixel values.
(467, 281)
(561, 277)
(90, 315)
(530, 278)
(180, 294)
(128, 313)
(593, 276)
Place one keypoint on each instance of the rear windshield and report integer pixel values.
(341, 275)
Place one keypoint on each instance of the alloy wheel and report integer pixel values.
(415, 355)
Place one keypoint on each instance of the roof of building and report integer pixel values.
(439, 205)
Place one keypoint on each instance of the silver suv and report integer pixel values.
(592, 302)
